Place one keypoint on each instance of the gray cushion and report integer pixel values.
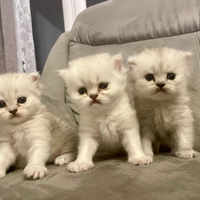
(119, 22)
(111, 179)
(57, 59)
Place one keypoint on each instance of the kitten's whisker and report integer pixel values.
(81, 106)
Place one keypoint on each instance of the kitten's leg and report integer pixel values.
(156, 146)
(147, 138)
(38, 155)
(7, 158)
(184, 142)
(132, 144)
(69, 150)
(87, 148)
(65, 159)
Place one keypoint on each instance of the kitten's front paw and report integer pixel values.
(35, 171)
(143, 160)
(80, 166)
(186, 154)
(2, 173)
(63, 160)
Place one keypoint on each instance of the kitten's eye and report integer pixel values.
(2, 104)
(21, 100)
(103, 85)
(171, 76)
(150, 77)
(82, 90)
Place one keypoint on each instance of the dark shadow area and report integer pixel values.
(51, 10)
(93, 2)
(48, 25)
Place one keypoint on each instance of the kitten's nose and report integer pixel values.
(160, 85)
(13, 111)
(93, 96)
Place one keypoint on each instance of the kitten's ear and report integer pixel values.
(187, 54)
(34, 77)
(117, 62)
(64, 73)
(132, 62)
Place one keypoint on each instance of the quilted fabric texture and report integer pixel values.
(119, 22)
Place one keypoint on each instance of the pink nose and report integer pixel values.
(94, 96)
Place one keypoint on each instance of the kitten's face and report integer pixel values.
(19, 97)
(95, 82)
(159, 74)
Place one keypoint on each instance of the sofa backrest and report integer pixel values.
(130, 26)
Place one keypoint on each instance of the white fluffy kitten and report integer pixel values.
(29, 135)
(159, 84)
(97, 87)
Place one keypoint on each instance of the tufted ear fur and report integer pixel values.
(117, 62)
(64, 73)
(35, 79)
(186, 54)
(132, 62)
(34, 76)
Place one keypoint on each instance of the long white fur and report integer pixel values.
(164, 117)
(35, 136)
(110, 124)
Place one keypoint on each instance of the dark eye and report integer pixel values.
(171, 76)
(103, 85)
(82, 90)
(149, 77)
(21, 100)
(2, 104)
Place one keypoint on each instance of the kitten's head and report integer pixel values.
(94, 82)
(19, 96)
(159, 74)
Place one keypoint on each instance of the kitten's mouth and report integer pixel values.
(160, 91)
(95, 102)
(15, 116)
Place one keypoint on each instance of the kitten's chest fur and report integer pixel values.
(18, 139)
(109, 134)
(158, 115)
(163, 118)
(107, 126)
(22, 136)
